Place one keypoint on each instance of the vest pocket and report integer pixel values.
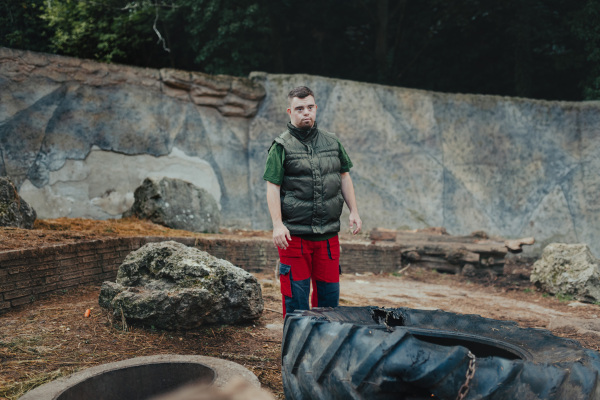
(296, 211)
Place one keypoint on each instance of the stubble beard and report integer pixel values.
(307, 124)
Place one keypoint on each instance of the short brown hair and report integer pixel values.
(300, 92)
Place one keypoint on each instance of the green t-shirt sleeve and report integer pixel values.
(274, 166)
(344, 159)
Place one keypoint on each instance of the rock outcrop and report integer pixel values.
(14, 211)
(170, 286)
(568, 269)
(176, 204)
(233, 97)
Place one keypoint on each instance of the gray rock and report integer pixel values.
(568, 269)
(176, 204)
(14, 211)
(171, 286)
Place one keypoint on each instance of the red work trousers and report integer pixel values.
(307, 262)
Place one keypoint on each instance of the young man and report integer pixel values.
(308, 180)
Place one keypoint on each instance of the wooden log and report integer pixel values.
(383, 234)
(454, 256)
(438, 264)
(441, 248)
(514, 246)
(433, 230)
(433, 247)
(463, 256)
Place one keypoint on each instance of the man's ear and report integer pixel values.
(289, 111)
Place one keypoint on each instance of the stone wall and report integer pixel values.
(31, 274)
(79, 136)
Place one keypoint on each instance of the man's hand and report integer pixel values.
(281, 236)
(355, 223)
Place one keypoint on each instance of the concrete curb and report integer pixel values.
(224, 372)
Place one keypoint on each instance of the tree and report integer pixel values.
(585, 26)
(110, 31)
(21, 26)
(547, 49)
(217, 36)
(226, 36)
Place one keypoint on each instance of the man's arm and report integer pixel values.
(350, 199)
(280, 232)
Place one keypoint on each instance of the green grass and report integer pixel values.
(563, 297)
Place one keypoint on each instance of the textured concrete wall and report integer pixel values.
(78, 137)
(511, 167)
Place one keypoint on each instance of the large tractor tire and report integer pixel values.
(402, 353)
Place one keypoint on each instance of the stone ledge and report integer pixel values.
(230, 95)
(95, 261)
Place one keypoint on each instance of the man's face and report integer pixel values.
(303, 112)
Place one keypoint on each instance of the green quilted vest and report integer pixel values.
(311, 191)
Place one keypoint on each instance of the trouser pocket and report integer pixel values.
(333, 252)
(285, 279)
(295, 293)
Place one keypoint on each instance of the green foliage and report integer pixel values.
(586, 27)
(110, 31)
(548, 49)
(21, 26)
(227, 36)
(217, 36)
(564, 297)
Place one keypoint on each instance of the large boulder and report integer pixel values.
(14, 211)
(176, 204)
(568, 269)
(171, 286)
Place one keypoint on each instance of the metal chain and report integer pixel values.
(464, 389)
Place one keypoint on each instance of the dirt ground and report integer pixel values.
(52, 338)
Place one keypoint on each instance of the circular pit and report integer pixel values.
(141, 378)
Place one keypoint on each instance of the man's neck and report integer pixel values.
(301, 134)
(302, 129)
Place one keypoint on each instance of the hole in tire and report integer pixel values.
(479, 346)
